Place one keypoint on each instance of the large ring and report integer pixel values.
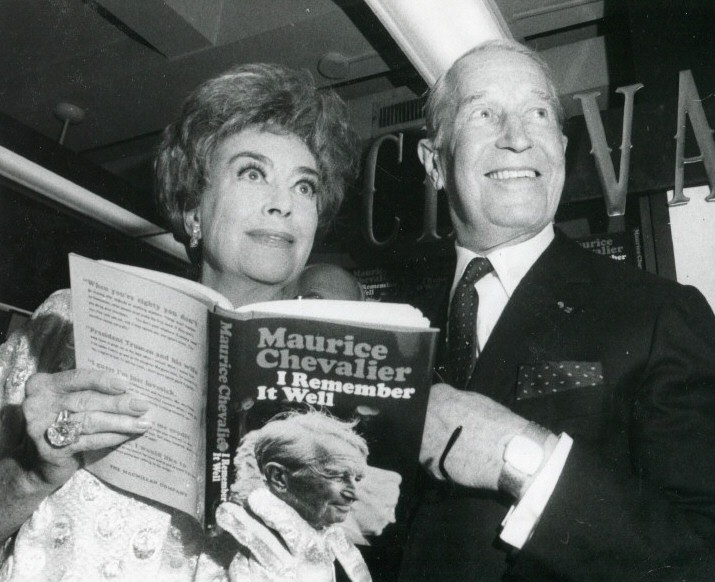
(63, 431)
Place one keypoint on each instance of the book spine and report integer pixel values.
(221, 433)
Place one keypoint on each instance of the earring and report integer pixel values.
(195, 235)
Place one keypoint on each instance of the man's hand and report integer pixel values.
(374, 508)
(476, 458)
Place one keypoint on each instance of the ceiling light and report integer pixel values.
(435, 33)
(68, 114)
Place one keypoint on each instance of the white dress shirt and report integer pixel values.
(495, 288)
(510, 265)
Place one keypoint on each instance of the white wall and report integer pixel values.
(693, 228)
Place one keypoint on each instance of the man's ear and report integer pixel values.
(427, 153)
(276, 476)
(191, 218)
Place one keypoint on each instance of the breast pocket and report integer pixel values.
(571, 397)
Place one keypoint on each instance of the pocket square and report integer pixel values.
(545, 378)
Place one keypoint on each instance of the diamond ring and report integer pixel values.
(64, 431)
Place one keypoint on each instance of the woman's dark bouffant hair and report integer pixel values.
(270, 96)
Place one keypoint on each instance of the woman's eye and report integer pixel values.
(306, 189)
(251, 174)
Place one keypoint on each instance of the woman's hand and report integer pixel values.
(107, 414)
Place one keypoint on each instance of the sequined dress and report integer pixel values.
(86, 530)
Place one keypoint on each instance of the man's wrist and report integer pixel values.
(524, 455)
(525, 514)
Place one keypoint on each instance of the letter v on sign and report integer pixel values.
(614, 190)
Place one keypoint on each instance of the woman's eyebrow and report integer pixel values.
(307, 170)
(251, 154)
(269, 162)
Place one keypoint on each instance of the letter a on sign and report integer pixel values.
(690, 106)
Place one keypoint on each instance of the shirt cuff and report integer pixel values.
(520, 522)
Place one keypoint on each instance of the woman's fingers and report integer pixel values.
(77, 380)
(97, 400)
(89, 401)
(93, 423)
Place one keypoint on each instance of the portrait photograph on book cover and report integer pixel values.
(342, 487)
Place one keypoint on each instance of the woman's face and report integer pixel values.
(326, 496)
(259, 213)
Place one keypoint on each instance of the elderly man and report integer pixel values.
(582, 391)
(309, 465)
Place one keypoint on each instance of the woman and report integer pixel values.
(255, 162)
(310, 464)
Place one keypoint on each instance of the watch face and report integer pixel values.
(524, 454)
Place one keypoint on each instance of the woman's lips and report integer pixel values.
(272, 238)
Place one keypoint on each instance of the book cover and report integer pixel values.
(265, 364)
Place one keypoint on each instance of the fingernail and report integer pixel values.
(138, 405)
(143, 424)
(119, 385)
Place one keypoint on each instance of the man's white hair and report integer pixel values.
(443, 99)
(299, 440)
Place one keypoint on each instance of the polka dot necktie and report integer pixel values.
(462, 333)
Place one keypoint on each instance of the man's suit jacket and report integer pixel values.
(636, 499)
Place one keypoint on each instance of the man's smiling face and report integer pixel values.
(503, 162)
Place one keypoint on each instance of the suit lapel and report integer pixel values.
(550, 294)
(438, 318)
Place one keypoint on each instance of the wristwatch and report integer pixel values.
(523, 456)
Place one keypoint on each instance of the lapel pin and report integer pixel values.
(565, 307)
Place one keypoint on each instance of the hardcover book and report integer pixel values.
(212, 374)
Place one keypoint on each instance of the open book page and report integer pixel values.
(209, 297)
(366, 313)
(154, 336)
